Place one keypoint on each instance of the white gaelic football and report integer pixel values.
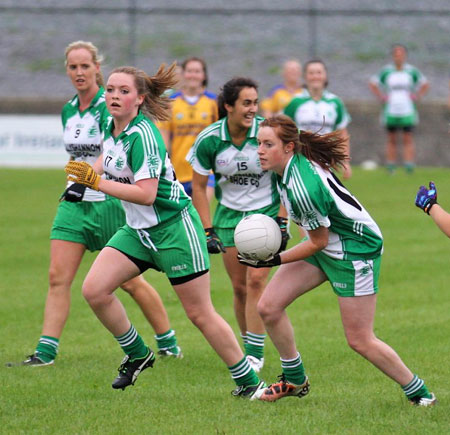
(257, 237)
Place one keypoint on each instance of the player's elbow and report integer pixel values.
(144, 198)
(320, 243)
(148, 200)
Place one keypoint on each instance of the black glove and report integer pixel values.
(74, 193)
(215, 246)
(283, 223)
(426, 198)
(270, 262)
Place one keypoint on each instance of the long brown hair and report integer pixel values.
(96, 57)
(327, 150)
(156, 104)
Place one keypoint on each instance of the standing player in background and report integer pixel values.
(228, 148)
(281, 95)
(163, 229)
(86, 219)
(426, 199)
(344, 247)
(193, 109)
(398, 86)
(320, 110)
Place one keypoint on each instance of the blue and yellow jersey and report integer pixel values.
(278, 98)
(186, 122)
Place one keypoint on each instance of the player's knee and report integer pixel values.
(130, 288)
(197, 318)
(57, 280)
(200, 316)
(134, 285)
(91, 293)
(265, 310)
(256, 286)
(240, 292)
(86, 291)
(358, 343)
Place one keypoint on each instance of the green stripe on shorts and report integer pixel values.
(349, 278)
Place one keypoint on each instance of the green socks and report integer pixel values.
(243, 374)
(132, 344)
(47, 348)
(409, 167)
(244, 339)
(293, 370)
(416, 388)
(390, 167)
(168, 341)
(254, 345)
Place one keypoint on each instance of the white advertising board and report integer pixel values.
(33, 141)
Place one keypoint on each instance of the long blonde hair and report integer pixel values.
(96, 57)
(156, 104)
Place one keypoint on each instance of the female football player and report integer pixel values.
(163, 229)
(228, 148)
(398, 86)
(319, 110)
(86, 219)
(281, 95)
(193, 109)
(344, 247)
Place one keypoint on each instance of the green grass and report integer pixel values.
(192, 396)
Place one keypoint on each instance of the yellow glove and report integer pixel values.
(82, 172)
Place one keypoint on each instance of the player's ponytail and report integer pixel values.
(156, 104)
(327, 150)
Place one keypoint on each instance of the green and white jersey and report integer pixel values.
(241, 184)
(327, 114)
(83, 134)
(315, 198)
(139, 153)
(398, 85)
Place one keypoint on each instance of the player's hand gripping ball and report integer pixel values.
(257, 237)
(83, 173)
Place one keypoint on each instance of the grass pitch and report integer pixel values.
(192, 396)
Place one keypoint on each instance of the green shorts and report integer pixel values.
(349, 277)
(400, 121)
(176, 247)
(226, 220)
(90, 223)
